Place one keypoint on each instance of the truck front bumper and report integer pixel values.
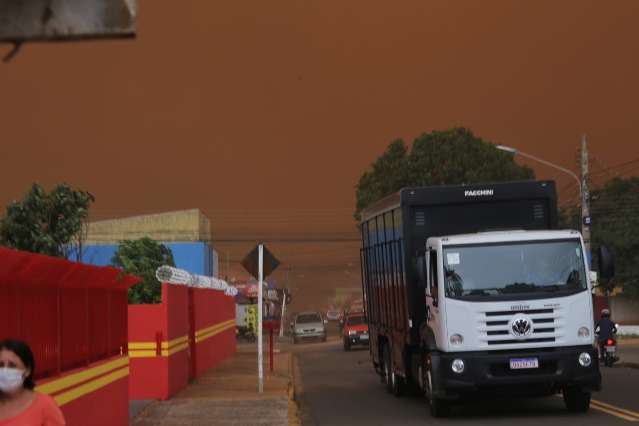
(489, 372)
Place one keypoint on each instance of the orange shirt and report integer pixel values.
(43, 411)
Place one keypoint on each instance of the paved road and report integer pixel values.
(341, 388)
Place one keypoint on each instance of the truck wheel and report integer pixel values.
(394, 383)
(577, 400)
(387, 368)
(438, 407)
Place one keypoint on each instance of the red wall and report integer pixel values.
(74, 318)
(212, 309)
(196, 330)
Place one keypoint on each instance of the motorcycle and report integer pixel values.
(610, 352)
(608, 348)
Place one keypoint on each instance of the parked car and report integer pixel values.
(309, 326)
(355, 330)
(332, 315)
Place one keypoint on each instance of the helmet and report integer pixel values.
(605, 312)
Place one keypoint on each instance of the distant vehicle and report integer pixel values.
(356, 307)
(332, 315)
(355, 330)
(308, 326)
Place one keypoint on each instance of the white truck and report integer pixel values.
(465, 309)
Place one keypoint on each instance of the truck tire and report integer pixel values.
(576, 399)
(394, 383)
(438, 407)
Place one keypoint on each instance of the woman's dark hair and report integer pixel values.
(23, 351)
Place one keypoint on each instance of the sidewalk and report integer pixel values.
(227, 395)
(628, 352)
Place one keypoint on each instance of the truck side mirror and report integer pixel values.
(606, 263)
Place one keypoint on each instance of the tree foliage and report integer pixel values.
(452, 156)
(141, 258)
(615, 224)
(46, 223)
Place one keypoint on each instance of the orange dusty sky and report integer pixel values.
(265, 114)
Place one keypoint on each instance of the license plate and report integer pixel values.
(363, 336)
(522, 363)
(611, 349)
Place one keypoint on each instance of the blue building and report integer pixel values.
(185, 232)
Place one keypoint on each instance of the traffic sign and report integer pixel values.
(251, 262)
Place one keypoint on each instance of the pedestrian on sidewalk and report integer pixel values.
(20, 405)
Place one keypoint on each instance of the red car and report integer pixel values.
(355, 330)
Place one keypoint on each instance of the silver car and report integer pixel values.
(309, 325)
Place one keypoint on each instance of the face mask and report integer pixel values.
(11, 379)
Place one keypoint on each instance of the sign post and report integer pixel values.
(283, 313)
(260, 301)
(260, 263)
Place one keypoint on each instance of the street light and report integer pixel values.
(585, 225)
(542, 161)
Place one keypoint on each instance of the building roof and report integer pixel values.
(181, 225)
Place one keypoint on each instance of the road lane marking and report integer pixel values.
(621, 411)
(612, 413)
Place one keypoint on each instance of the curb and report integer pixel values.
(629, 341)
(293, 409)
(629, 365)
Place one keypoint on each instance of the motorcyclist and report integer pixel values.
(605, 329)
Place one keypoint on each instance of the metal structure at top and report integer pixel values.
(170, 275)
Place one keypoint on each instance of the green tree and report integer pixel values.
(389, 172)
(615, 224)
(141, 258)
(46, 223)
(446, 157)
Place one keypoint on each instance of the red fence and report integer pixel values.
(74, 318)
(179, 339)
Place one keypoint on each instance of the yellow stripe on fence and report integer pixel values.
(175, 342)
(91, 386)
(168, 348)
(213, 328)
(219, 329)
(82, 376)
(148, 349)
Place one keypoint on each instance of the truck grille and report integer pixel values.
(494, 328)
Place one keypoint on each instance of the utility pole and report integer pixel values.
(585, 199)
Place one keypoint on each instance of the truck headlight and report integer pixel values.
(584, 359)
(456, 339)
(457, 366)
(352, 332)
(583, 332)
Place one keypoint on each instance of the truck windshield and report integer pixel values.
(482, 271)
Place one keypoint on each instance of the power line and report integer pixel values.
(603, 171)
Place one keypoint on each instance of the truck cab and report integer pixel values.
(507, 312)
